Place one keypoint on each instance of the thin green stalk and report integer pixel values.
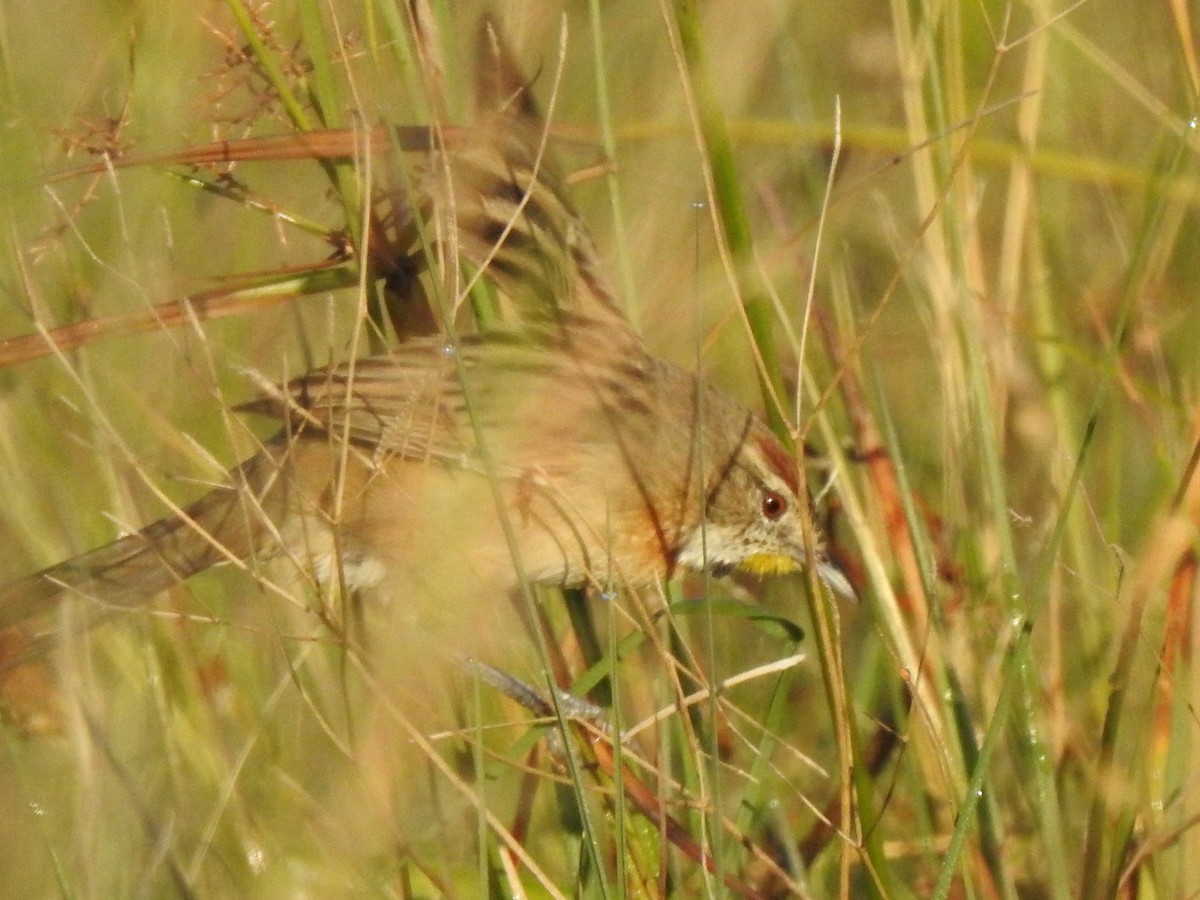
(860, 789)
(932, 669)
(1102, 857)
(1028, 726)
(270, 68)
(731, 212)
(753, 801)
(398, 37)
(623, 816)
(608, 141)
(325, 96)
(323, 83)
(996, 731)
(944, 80)
(526, 592)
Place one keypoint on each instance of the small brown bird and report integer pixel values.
(555, 451)
(561, 451)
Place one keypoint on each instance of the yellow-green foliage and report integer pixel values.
(977, 220)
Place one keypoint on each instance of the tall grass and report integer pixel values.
(998, 384)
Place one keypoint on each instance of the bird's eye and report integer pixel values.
(774, 505)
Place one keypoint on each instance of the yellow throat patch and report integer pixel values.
(769, 564)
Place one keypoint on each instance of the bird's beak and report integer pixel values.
(763, 564)
(835, 579)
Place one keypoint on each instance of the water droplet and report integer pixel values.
(257, 859)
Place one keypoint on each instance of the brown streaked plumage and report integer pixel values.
(600, 482)
(557, 447)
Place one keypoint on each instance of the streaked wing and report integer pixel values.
(540, 384)
(490, 199)
(393, 404)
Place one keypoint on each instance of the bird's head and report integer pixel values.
(752, 516)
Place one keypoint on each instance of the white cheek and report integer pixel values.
(356, 574)
(706, 547)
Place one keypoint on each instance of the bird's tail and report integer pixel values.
(229, 523)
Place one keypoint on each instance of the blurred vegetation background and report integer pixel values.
(974, 230)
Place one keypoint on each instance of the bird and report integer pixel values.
(605, 464)
(554, 449)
